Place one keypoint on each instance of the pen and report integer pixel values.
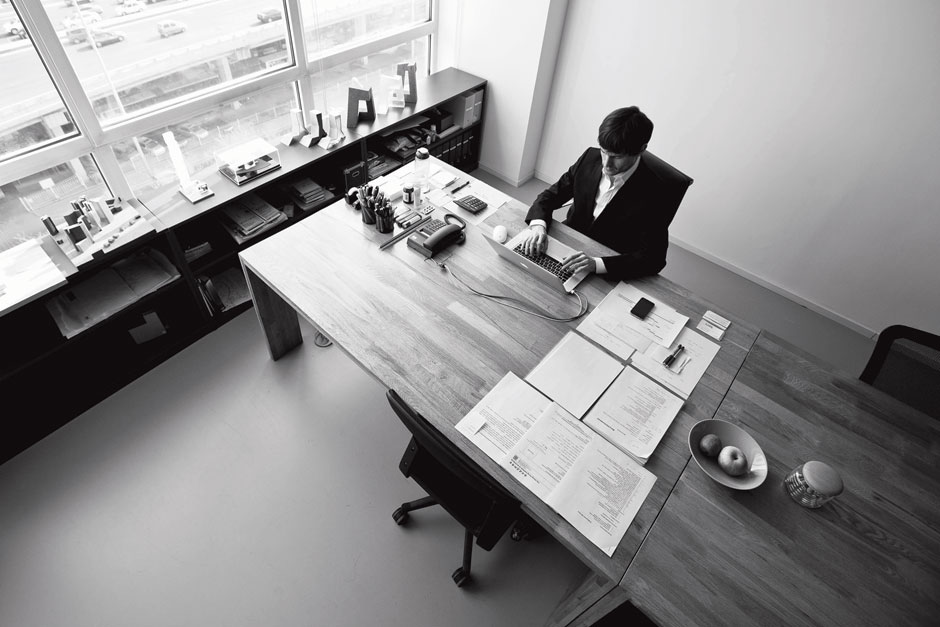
(460, 187)
(675, 354)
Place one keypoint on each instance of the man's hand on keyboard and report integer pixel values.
(578, 261)
(536, 241)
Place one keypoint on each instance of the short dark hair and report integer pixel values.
(625, 131)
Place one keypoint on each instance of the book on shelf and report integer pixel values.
(305, 193)
(248, 216)
(224, 290)
(195, 251)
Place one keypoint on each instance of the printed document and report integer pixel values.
(575, 373)
(634, 414)
(587, 480)
(698, 352)
(613, 326)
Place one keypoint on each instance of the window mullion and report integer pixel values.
(63, 75)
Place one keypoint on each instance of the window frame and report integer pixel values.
(96, 139)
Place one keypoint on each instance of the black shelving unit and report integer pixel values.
(48, 379)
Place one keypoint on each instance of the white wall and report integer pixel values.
(513, 46)
(810, 129)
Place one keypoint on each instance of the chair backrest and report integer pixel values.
(906, 365)
(678, 181)
(458, 484)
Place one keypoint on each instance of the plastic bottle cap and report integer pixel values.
(822, 478)
(422, 153)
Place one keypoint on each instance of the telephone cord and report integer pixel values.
(507, 301)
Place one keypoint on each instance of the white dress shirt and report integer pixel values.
(606, 190)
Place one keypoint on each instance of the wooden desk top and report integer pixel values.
(869, 557)
(409, 324)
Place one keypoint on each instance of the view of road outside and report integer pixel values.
(137, 56)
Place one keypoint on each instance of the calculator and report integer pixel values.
(471, 203)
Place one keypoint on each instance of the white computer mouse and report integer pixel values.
(500, 234)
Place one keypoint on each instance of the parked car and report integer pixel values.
(84, 3)
(101, 38)
(130, 6)
(192, 129)
(151, 145)
(167, 28)
(269, 15)
(77, 20)
(77, 35)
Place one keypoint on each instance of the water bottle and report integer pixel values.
(422, 169)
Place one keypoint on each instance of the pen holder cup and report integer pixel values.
(368, 213)
(384, 223)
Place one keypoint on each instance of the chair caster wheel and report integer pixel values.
(461, 577)
(400, 516)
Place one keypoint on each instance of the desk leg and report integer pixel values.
(588, 602)
(278, 319)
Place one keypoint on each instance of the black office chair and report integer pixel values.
(454, 482)
(906, 365)
(680, 181)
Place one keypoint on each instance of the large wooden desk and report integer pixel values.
(870, 557)
(405, 321)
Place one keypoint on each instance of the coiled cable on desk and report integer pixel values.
(515, 303)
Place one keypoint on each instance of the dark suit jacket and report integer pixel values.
(635, 222)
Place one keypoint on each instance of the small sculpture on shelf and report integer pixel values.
(361, 107)
(335, 134)
(192, 190)
(298, 128)
(408, 73)
(316, 133)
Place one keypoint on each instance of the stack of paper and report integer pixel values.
(104, 294)
(587, 480)
(634, 414)
(574, 374)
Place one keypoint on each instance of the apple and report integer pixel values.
(710, 444)
(732, 461)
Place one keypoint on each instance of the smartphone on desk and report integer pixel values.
(642, 308)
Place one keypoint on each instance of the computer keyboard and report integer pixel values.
(549, 263)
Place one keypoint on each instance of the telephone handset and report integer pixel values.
(436, 235)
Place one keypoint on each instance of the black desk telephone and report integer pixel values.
(436, 235)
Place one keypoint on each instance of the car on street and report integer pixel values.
(130, 6)
(151, 145)
(167, 28)
(192, 129)
(77, 20)
(270, 15)
(101, 38)
(82, 3)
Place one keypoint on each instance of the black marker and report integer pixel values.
(460, 187)
(668, 361)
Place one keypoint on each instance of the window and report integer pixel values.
(331, 85)
(47, 193)
(135, 56)
(91, 86)
(32, 113)
(337, 23)
(145, 160)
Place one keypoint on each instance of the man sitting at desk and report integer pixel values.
(621, 199)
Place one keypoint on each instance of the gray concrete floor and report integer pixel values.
(226, 489)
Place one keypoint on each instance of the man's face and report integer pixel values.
(614, 164)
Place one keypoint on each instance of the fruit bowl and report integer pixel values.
(731, 435)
